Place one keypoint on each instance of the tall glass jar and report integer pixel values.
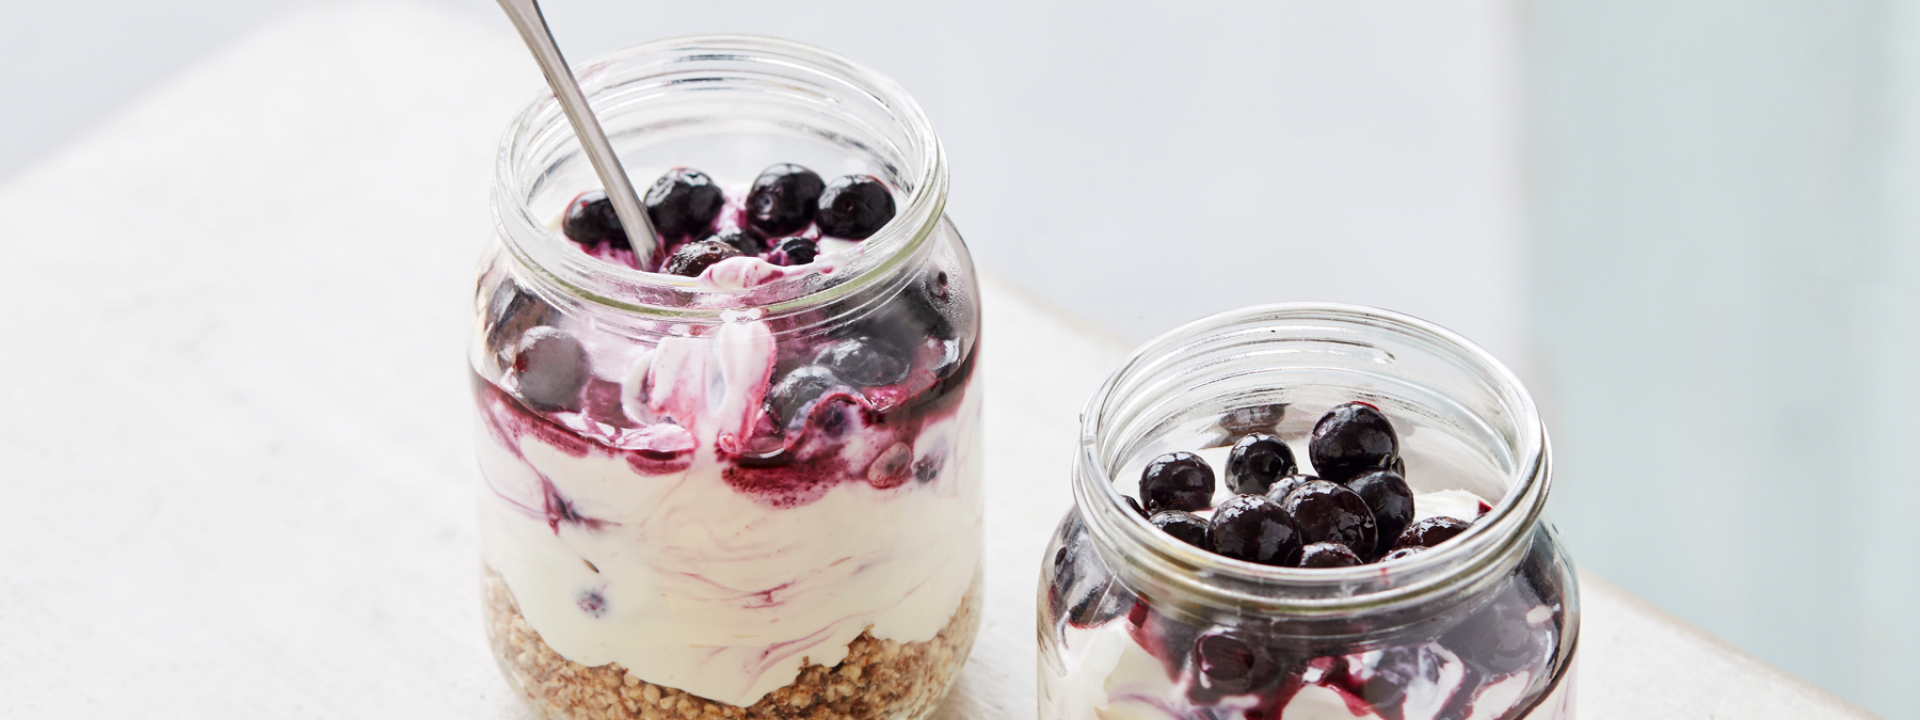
(751, 493)
(1137, 624)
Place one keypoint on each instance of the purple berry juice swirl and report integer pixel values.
(715, 504)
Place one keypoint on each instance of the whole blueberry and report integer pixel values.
(590, 220)
(1430, 532)
(1183, 526)
(1135, 506)
(1285, 486)
(863, 362)
(1101, 603)
(1231, 663)
(794, 251)
(741, 240)
(854, 207)
(551, 368)
(1177, 481)
(1351, 438)
(1327, 555)
(1397, 669)
(1391, 500)
(1327, 512)
(914, 316)
(1253, 419)
(1255, 529)
(695, 257)
(511, 312)
(1497, 638)
(1256, 461)
(791, 400)
(783, 200)
(683, 203)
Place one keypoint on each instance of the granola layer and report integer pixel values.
(879, 679)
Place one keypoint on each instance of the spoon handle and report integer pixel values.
(613, 178)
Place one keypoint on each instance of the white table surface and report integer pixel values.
(235, 454)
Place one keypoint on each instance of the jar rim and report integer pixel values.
(1489, 543)
(548, 255)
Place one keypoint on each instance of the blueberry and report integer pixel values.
(1391, 501)
(590, 220)
(683, 203)
(855, 207)
(783, 200)
(1405, 552)
(741, 240)
(1135, 505)
(1177, 481)
(1397, 669)
(927, 468)
(1328, 555)
(552, 367)
(791, 400)
(1230, 663)
(928, 308)
(1285, 486)
(945, 307)
(1327, 512)
(1497, 637)
(1430, 532)
(1400, 466)
(1352, 438)
(1183, 526)
(794, 251)
(863, 362)
(511, 312)
(1255, 529)
(1254, 419)
(1104, 602)
(695, 257)
(1256, 461)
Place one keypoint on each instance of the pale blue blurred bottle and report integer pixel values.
(1725, 268)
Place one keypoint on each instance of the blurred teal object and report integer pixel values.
(1724, 267)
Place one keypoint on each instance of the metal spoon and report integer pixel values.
(613, 178)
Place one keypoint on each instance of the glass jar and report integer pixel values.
(1137, 624)
(752, 493)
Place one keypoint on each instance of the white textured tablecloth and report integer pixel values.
(235, 453)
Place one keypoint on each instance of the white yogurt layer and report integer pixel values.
(690, 583)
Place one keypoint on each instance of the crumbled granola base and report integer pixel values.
(879, 679)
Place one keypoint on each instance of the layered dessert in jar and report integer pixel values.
(734, 471)
(1309, 511)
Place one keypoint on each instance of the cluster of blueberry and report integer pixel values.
(1358, 510)
(787, 209)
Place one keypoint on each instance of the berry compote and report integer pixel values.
(1375, 551)
(720, 477)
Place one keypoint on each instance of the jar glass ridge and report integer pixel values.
(674, 534)
(1465, 423)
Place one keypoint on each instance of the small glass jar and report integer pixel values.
(752, 493)
(1137, 624)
